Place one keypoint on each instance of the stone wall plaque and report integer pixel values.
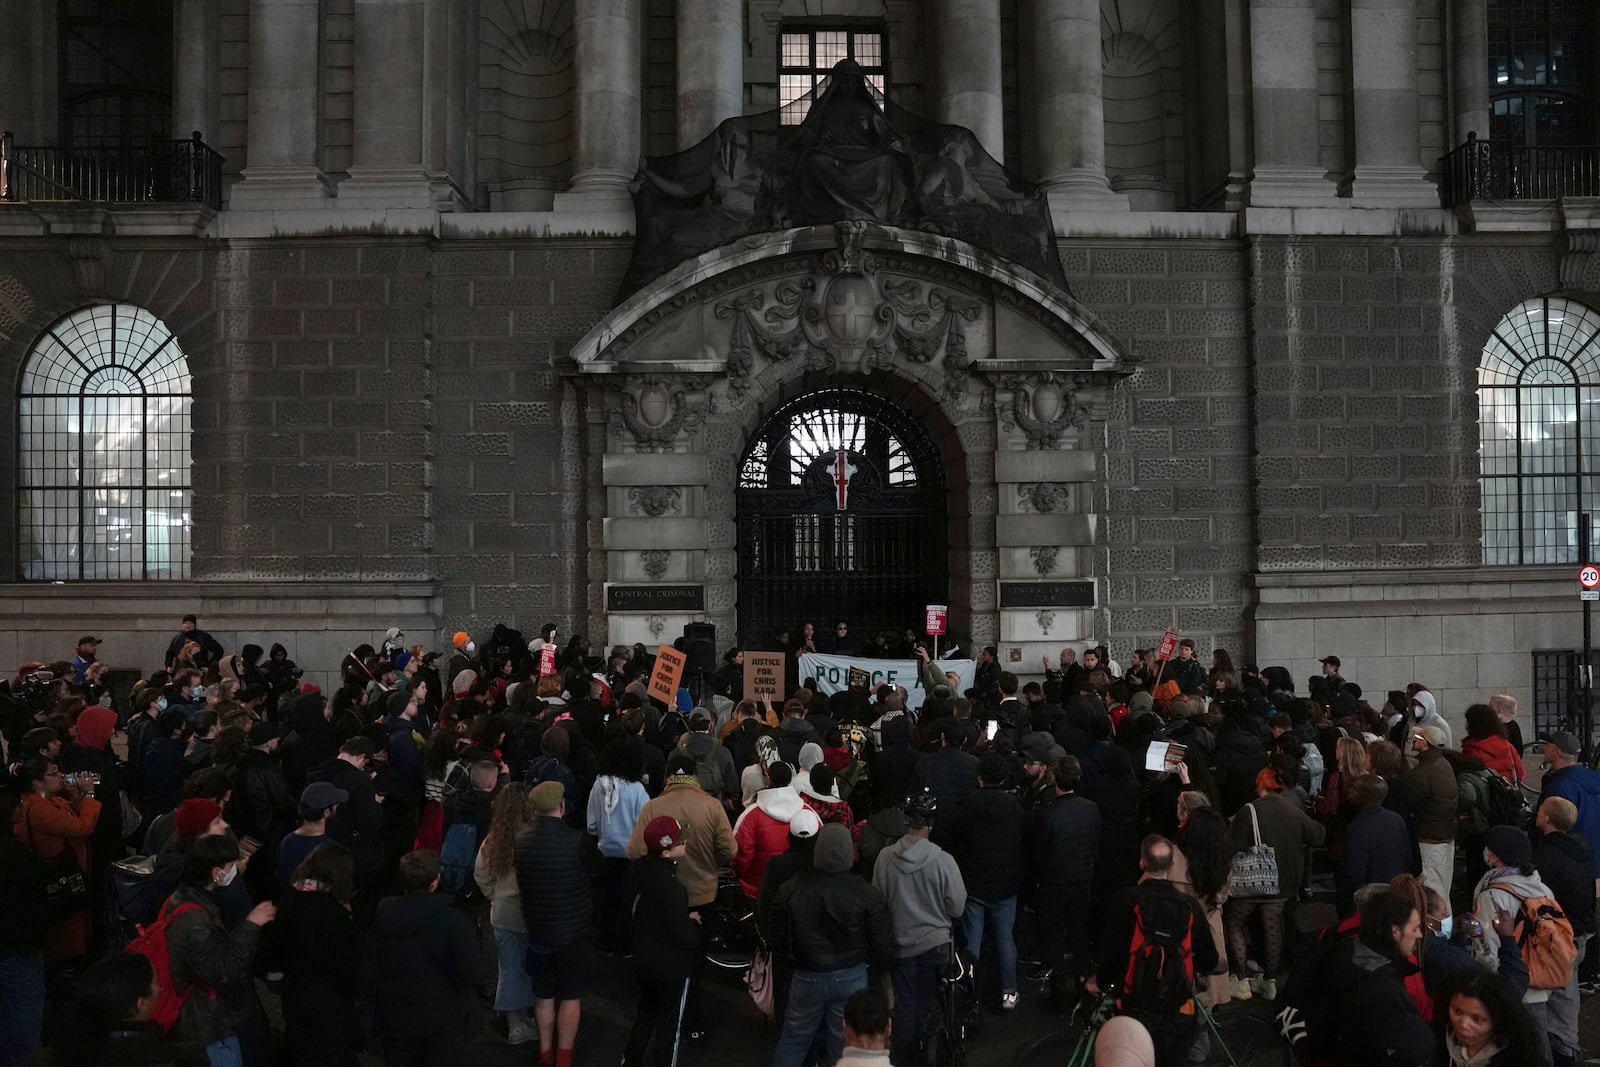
(1047, 594)
(655, 598)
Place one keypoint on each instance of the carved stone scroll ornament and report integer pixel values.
(655, 563)
(654, 412)
(1044, 558)
(847, 318)
(1043, 408)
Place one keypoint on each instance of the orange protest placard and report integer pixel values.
(668, 674)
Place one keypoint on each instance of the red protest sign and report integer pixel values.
(938, 618)
(1169, 645)
(547, 660)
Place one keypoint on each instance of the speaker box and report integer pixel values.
(700, 645)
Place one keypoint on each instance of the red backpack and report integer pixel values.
(1160, 975)
(151, 943)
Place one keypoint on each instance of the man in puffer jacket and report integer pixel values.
(556, 909)
(762, 832)
(926, 894)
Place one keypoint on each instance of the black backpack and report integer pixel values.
(1307, 1011)
(1160, 976)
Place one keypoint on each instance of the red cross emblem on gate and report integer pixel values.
(842, 470)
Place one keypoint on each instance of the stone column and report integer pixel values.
(283, 156)
(388, 167)
(194, 68)
(1469, 69)
(1383, 45)
(1288, 170)
(967, 78)
(710, 66)
(606, 101)
(1070, 105)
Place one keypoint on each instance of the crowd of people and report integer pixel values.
(1140, 841)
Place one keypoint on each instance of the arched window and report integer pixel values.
(1539, 430)
(103, 457)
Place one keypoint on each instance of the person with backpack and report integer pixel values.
(206, 969)
(1375, 1020)
(614, 806)
(421, 970)
(1563, 860)
(713, 763)
(1486, 742)
(1155, 941)
(466, 815)
(1512, 898)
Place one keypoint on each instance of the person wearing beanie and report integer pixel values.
(1497, 901)
(926, 895)
(553, 882)
(709, 849)
(762, 831)
(464, 657)
(829, 926)
(463, 682)
(666, 935)
(197, 817)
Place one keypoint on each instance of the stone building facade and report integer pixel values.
(1252, 416)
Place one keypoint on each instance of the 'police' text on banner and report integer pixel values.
(833, 673)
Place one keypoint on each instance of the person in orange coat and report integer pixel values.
(1486, 742)
(58, 814)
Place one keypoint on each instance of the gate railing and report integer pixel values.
(1501, 170)
(187, 171)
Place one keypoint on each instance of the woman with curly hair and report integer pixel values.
(1201, 865)
(1333, 807)
(493, 871)
(1485, 1025)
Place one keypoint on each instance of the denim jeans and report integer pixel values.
(816, 997)
(916, 997)
(225, 1052)
(999, 919)
(21, 1007)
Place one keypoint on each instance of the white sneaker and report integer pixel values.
(1239, 989)
(518, 1030)
(1008, 1002)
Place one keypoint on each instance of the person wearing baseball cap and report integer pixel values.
(83, 657)
(1566, 777)
(318, 801)
(1431, 793)
(556, 910)
(666, 935)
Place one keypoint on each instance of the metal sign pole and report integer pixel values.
(1588, 654)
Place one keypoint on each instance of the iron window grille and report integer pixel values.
(806, 54)
(1557, 692)
(1539, 431)
(103, 437)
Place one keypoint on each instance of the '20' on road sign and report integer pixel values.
(1589, 576)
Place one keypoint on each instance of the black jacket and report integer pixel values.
(210, 648)
(952, 775)
(311, 740)
(358, 822)
(826, 922)
(986, 839)
(313, 941)
(1066, 836)
(25, 917)
(1377, 847)
(422, 964)
(664, 937)
(1117, 941)
(1378, 1022)
(161, 773)
(1565, 862)
(262, 805)
(554, 883)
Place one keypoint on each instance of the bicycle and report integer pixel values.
(955, 1022)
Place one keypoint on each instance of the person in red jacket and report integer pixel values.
(1486, 742)
(762, 832)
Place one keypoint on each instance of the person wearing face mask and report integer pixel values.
(148, 703)
(1425, 712)
(212, 963)
(465, 657)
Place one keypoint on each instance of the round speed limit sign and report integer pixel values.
(1589, 576)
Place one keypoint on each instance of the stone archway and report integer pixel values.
(1014, 372)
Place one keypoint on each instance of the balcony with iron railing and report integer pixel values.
(1501, 170)
(188, 171)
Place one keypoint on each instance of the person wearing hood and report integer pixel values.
(1379, 1022)
(311, 739)
(282, 673)
(1497, 901)
(762, 831)
(421, 970)
(667, 933)
(91, 751)
(251, 672)
(1432, 794)
(926, 895)
(161, 765)
(614, 806)
(830, 926)
(1425, 712)
(1566, 863)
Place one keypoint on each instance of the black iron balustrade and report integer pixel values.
(1501, 170)
(169, 172)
